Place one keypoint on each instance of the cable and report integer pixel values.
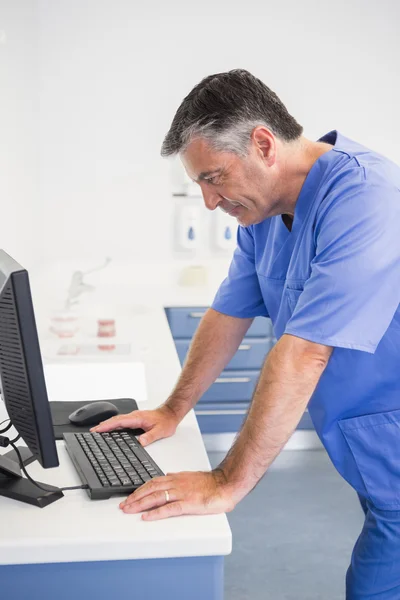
(21, 464)
(7, 442)
(8, 426)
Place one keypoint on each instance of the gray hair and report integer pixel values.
(224, 109)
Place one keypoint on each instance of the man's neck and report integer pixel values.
(298, 162)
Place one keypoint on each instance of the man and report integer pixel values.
(319, 253)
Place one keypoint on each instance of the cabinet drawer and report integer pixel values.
(250, 355)
(221, 417)
(232, 386)
(224, 417)
(184, 321)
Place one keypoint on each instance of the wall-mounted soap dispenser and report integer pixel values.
(225, 230)
(188, 225)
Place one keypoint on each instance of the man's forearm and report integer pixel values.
(214, 343)
(287, 381)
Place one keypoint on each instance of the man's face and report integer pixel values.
(245, 188)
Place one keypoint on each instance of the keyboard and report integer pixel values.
(110, 463)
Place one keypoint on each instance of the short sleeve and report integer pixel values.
(353, 291)
(239, 294)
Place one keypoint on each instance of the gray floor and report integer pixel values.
(293, 534)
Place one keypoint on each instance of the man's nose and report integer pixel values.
(211, 199)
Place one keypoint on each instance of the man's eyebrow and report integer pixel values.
(206, 174)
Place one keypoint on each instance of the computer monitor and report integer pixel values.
(23, 386)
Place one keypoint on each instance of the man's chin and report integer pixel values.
(243, 222)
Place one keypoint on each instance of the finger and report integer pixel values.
(117, 422)
(154, 500)
(155, 485)
(174, 509)
(150, 436)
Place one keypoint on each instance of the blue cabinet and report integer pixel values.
(224, 406)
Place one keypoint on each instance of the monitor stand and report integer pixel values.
(13, 485)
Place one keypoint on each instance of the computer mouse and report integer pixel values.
(92, 413)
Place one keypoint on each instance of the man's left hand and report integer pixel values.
(188, 493)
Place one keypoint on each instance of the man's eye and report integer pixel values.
(211, 180)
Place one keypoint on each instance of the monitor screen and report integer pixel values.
(21, 370)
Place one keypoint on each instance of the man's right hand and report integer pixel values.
(157, 424)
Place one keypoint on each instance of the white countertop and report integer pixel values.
(78, 529)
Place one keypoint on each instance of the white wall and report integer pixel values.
(19, 201)
(113, 72)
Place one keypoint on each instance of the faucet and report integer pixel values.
(78, 285)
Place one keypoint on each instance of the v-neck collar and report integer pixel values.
(313, 181)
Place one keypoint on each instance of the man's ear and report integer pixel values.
(264, 141)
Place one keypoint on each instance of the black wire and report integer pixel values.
(21, 464)
(8, 426)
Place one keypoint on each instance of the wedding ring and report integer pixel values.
(166, 496)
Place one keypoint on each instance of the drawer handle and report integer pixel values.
(196, 315)
(244, 347)
(233, 380)
(221, 412)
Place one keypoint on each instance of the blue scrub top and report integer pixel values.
(335, 280)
